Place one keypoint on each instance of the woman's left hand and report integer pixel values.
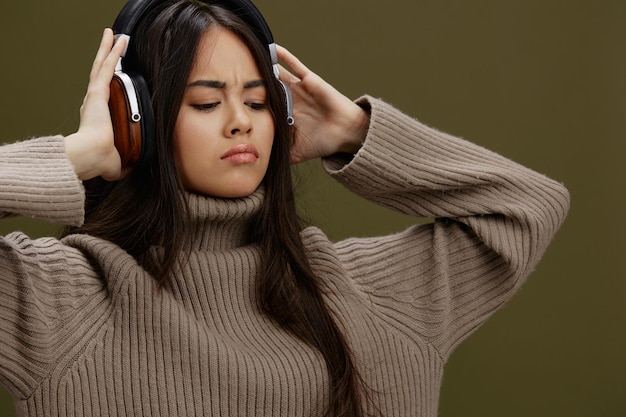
(326, 121)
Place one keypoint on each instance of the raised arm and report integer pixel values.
(492, 218)
(493, 221)
(45, 284)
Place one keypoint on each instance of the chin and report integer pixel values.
(239, 191)
(240, 194)
(225, 187)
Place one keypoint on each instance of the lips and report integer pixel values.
(241, 153)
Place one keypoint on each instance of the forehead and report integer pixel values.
(223, 54)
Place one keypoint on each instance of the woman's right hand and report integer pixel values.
(91, 150)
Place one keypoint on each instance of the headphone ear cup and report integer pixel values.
(127, 133)
(147, 139)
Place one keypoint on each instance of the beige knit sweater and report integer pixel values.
(84, 331)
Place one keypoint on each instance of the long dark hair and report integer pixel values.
(148, 207)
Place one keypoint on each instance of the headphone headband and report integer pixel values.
(134, 10)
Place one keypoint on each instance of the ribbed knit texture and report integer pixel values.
(84, 331)
(37, 181)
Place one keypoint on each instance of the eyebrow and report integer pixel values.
(222, 85)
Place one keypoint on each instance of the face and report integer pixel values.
(224, 132)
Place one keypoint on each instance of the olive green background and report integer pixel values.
(542, 82)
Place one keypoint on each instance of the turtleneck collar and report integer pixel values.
(220, 223)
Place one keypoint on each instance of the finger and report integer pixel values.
(292, 63)
(104, 69)
(287, 76)
(106, 42)
(114, 56)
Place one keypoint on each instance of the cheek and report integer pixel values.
(192, 146)
(186, 133)
(268, 135)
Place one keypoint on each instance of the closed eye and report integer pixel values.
(257, 106)
(205, 106)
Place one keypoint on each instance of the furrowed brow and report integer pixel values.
(208, 83)
(254, 84)
(222, 85)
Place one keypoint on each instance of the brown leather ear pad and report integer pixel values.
(127, 134)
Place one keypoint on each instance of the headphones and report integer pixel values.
(130, 103)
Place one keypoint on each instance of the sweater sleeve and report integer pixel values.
(37, 180)
(44, 284)
(493, 220)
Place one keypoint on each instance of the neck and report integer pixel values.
(220, 223)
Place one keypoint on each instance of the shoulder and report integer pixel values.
(44, 253)
(108, 258)
(333, 265)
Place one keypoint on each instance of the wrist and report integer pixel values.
(358, 128)
(84, 158)
(76, 155)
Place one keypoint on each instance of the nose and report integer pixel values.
(239, 121)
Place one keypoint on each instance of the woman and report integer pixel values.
(185, 286)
